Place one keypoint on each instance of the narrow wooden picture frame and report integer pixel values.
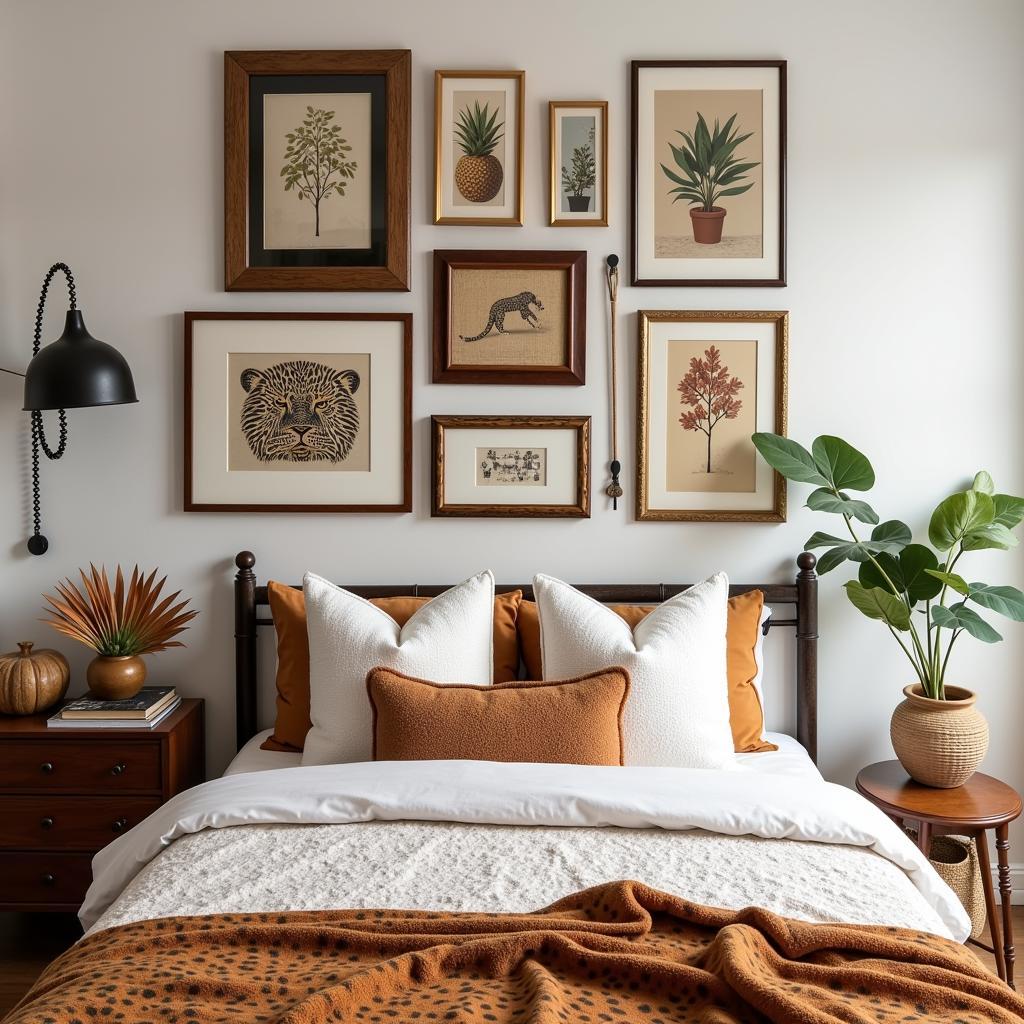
(574, 162)
(493, 459)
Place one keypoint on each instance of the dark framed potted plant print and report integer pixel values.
(510, 316)
(316, 170)
(709, 173)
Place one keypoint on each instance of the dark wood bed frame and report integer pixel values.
(802, 595)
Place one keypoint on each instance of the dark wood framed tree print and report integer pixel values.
(707, 380)
(316, 170)
(298, 412)
(709, 172)
(510, 317)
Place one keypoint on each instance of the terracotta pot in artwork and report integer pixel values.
(940, 743)
(579, 204)
(707, 225)
(115, 678)
(32, 680)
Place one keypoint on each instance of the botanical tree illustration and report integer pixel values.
(315, 165)
(584, 171)
(711, 392)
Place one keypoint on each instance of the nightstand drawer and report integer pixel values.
(36, 879)
(79, 765)
(69, 822)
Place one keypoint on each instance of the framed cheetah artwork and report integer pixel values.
(478, 147)
(510, 317)
(316, 170)
(298, 412)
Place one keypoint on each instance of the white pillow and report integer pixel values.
(677, 712)
(448, 640)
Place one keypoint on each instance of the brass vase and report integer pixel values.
(115, 677)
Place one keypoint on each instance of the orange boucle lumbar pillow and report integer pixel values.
(568, 721)
(288, 607)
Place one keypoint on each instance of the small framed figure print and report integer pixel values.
(578, 140)
(511, 466)
(709, 172)
(707, 381)
(510, 317)
(298, 412)
(478, 147)
(316, 170)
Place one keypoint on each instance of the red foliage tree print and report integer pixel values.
(711, 392)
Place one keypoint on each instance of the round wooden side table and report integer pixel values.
(980, 804)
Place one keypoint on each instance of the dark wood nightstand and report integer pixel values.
(980, 804)
(67, 793)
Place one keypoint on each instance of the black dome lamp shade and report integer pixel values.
(74, 372)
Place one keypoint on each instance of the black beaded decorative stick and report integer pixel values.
(613, 490)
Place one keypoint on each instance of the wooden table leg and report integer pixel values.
(981, 840)
(1003, 854)
(924, 837)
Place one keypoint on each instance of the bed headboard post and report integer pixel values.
(807, 654)
(245, 647)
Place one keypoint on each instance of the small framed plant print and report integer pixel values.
(298, 412)
(316, 170)
(578, 147)
(707, 381)
(478, 147)
(709, 172)
(511, 466)
(510, 317)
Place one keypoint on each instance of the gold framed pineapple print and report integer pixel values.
(478, 147)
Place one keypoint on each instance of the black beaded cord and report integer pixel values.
(38, 544)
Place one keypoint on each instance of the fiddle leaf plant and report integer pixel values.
(909, 587)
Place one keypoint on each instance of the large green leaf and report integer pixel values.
(959, 616)
(994, 535)
(1008, 601)
(1009, 510)
(832, 558)
(951, 579)
(879, 604)
(892, 531)
(983, 482)
(792, 460)
(957, 516)
(841, 464)
(824, 500)
(909, 572)
(823, 540)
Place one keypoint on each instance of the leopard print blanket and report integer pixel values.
(617, 952)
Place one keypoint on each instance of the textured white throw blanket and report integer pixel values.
(300, 847)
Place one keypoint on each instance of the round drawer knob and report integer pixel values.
(119, 768)
(46, 822)
(46, 767)
(120, 825)
(48, 879)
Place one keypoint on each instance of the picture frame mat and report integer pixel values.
(212, 342)
(767, 80)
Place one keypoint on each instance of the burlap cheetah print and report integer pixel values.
(615, 953)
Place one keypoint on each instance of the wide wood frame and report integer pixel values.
(776, 282)
(494, 222)
(645, 317)
(405, 505)
(554, 170)
(395, 66)
(580, 509)
(252, 612)
(573, 262)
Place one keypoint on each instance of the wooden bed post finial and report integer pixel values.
(807, 653)
(245, 647)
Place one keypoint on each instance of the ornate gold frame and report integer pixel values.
(553, 220)
(645, 317)
(509, 222)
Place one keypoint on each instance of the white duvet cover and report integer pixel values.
(472, 835)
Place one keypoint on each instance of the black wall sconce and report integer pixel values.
(74, 372)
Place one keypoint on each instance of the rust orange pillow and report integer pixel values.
(746, 716)
(288, 608)
(568, 721)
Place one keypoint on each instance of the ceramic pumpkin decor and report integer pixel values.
(32, 681)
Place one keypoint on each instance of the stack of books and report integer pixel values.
(150, 706)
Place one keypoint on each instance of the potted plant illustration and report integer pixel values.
(478, 174)
(582, 176)
(937, 733)
(708, 171)
(120, 624)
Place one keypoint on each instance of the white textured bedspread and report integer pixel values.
(464, 835)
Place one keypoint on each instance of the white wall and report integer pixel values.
(905, 263)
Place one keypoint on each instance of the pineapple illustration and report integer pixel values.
(478, 174)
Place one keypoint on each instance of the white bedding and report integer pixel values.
(463, 835)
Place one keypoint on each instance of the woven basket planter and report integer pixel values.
(955, 859)
(939, 742)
